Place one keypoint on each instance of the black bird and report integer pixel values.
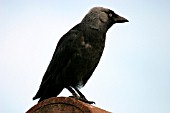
(77, 54)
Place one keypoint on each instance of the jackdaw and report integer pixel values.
(77, 54)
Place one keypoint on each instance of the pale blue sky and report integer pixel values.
(133, 75)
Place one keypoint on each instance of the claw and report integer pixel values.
(82, 99)
(86, 101)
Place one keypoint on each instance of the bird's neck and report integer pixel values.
(93, 35)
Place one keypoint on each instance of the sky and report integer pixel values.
(133, 75)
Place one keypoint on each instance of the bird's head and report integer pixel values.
(102, 18)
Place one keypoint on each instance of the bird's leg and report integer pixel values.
(73, 92)
(82, 97)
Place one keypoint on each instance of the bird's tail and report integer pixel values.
(48, 93)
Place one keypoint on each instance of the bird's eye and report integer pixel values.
(110, 14)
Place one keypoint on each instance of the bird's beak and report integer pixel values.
(120, 19)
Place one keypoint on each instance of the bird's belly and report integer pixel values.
(79, 65)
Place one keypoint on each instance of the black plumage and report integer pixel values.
(77, 54)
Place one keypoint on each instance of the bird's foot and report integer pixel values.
(86, 101)
(82, 99)
(75, 97)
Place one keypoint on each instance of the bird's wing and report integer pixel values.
(65, 48)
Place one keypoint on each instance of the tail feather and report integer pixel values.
(46, 93)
